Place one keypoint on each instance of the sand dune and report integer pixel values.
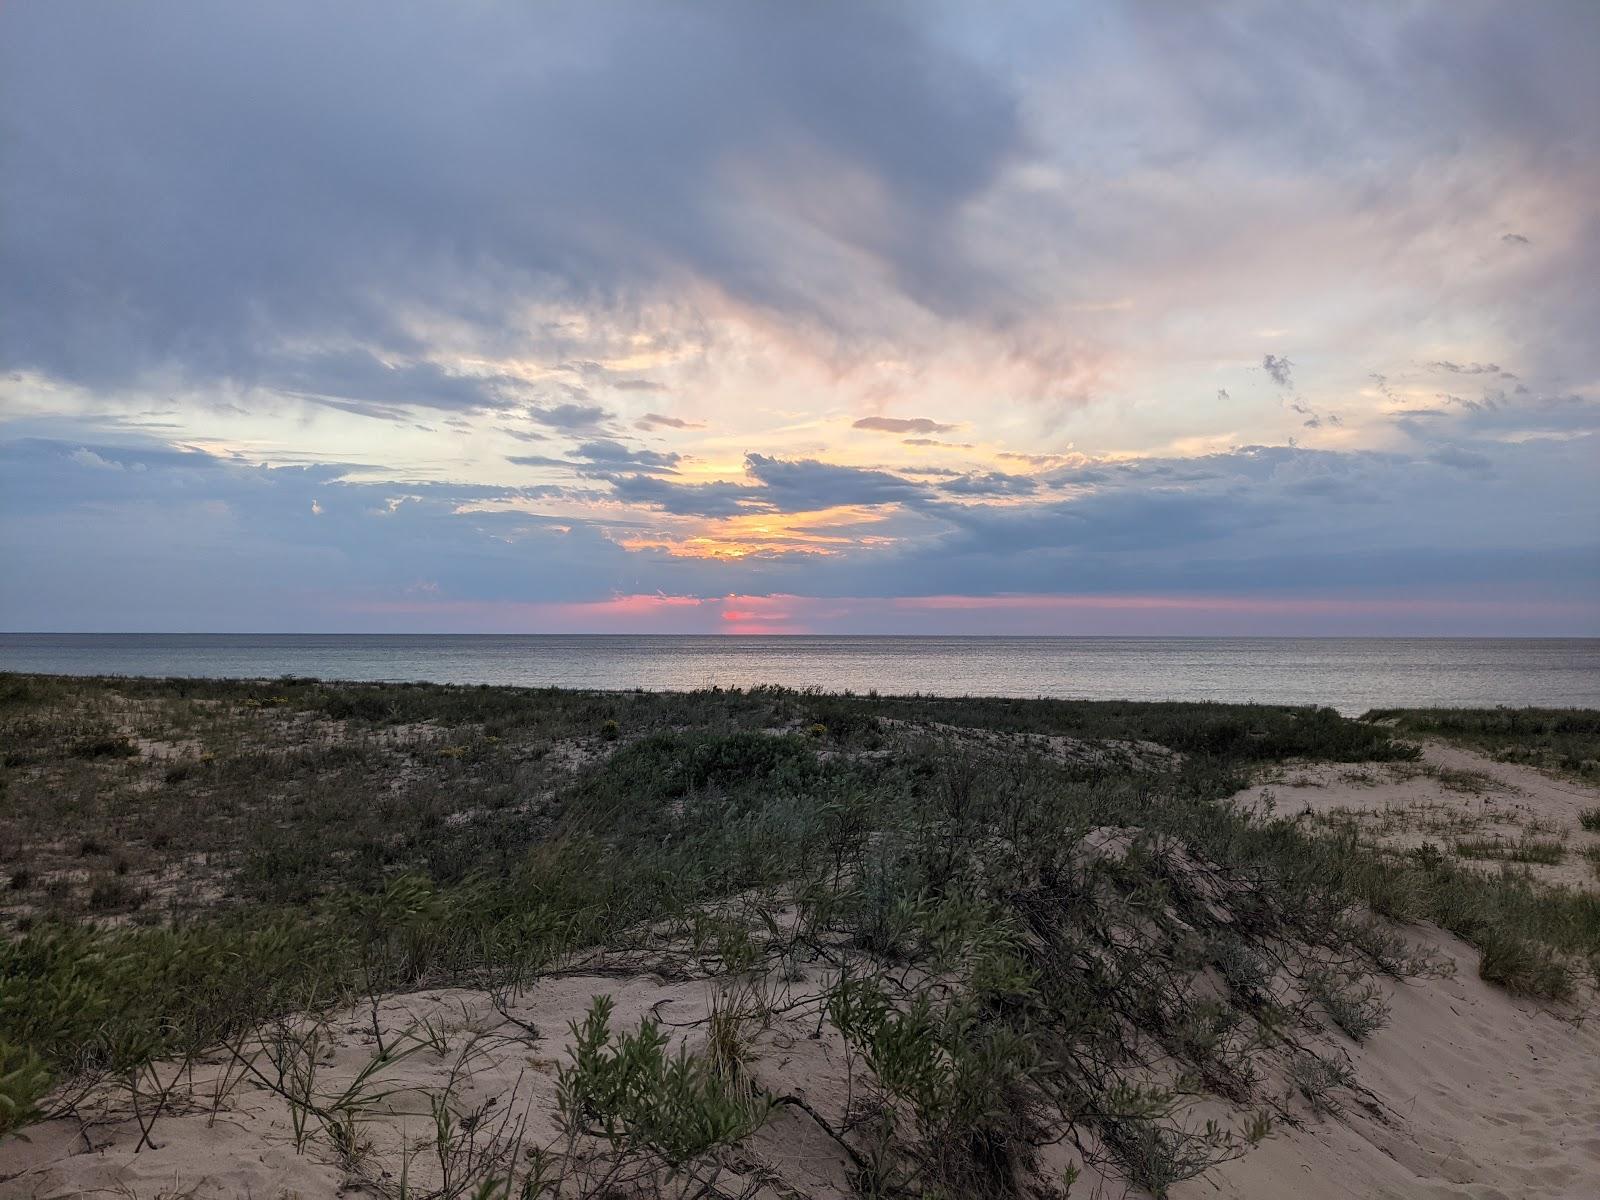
(1466, 1091)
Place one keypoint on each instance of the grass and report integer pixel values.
(1547, 851)
(1565, 741)
(1592, 855)
(1009, 935)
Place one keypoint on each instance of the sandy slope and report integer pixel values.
(1473, 1094)
(1483, 1097)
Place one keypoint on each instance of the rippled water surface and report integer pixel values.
(1352, 674)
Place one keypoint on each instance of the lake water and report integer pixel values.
(1351, 674)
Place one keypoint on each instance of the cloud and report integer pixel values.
(602, 457)
(658, 421)
(568, 416)
(804, 485)
(719, 499)
(1465, 369)
(362, 382)
(1039, 460)
(236, 225)
(1462, 460)
(524, 435)
(186, 539)
(607, 453)
(250, 180)
(992, 483)
(901, 425)
(538, 460)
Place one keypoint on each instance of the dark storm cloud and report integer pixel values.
(207, 188)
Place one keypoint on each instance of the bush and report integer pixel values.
(631, 1091)
(105, 746)
(23, 1082)
(1525, 968)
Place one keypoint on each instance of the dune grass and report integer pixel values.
(1565, 741)
(1013, 929)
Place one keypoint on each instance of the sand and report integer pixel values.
(1483, 1096)
(1469, 1092)
(1450, 796)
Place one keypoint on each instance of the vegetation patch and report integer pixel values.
(1012, 951)
(1562, 740)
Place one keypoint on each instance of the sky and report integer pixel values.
(1056, 318)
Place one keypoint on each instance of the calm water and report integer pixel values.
(1351, 674)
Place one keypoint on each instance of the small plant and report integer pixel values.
(1525, 968)
(629, 1090)
(1428, 856)
(23, 1082)
(1356, 1008)
(1316, 1076)
(112, 893)
(106, 746)
(1589, 818)
(610, 730)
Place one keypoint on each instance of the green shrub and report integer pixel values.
(627, 1088)
(23, 1083)
(105, 746)
(1525, 968)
